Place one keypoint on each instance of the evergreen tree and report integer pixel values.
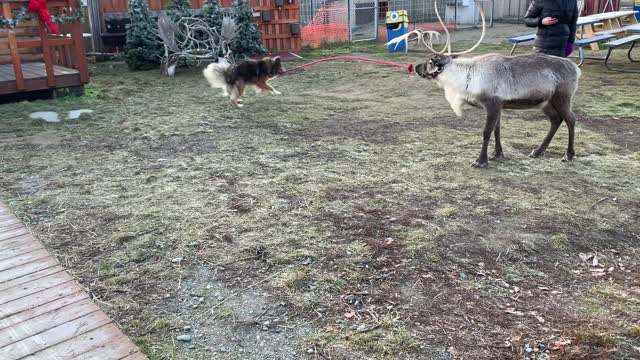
(177, 9)
(213, 14)
(143, 49)
(248, 41)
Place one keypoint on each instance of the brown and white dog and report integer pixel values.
(233, 79)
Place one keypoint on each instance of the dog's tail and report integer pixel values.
(215, 74)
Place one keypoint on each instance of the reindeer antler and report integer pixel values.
(484, 31)
(426, 37)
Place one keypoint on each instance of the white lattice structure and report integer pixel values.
(191, 41)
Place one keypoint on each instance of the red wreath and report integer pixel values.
(40, 7)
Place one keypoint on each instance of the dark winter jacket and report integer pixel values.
(558, 35)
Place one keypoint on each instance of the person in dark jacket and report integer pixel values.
(556, 23)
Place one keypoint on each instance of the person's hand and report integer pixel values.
(569, 50)
(549, 21)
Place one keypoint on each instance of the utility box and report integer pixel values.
(397, 25)
(266, 15)
(294, 28)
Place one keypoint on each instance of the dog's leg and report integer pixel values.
(265, 86)
(241, 87)
(235, 95)
(240, 91)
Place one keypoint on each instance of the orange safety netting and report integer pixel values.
(330, 24)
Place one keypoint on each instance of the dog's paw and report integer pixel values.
(239, 105)
(276, 92)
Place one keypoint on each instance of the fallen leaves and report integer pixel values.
(560, 344)
(349, 315)
(537, 316)
(513, 311)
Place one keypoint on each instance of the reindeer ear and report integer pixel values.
(440, 61)
(276, 60)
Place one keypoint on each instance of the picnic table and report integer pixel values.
(588, 32)
(611, 21)
(633, 28)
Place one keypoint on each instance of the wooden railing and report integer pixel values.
(33, 42)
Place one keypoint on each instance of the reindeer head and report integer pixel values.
(439, 60)
(432, 68)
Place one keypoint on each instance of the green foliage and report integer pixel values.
(143, 50)
(248, 41)
(177, 9)
(213, 14)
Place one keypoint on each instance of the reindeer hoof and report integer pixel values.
(535, 154)
(480, 164)
(567, 157)
(497, 156)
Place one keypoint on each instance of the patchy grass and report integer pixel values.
(341, 218)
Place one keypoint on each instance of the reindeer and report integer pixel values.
(495, 82)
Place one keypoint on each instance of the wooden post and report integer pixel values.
(78, 51)
(13, 47)
(46, 53)
(95, 19)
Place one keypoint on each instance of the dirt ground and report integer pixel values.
(340, 220)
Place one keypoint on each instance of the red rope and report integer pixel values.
(409, 67)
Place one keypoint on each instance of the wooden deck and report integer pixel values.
(35, 77)
(44, 314)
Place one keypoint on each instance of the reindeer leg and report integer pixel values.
(556, 121)
(497, 152)
(564, 108)
(570, 119)
(493, 108)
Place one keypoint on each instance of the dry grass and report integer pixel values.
(352, 198)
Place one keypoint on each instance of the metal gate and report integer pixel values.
(363, 20)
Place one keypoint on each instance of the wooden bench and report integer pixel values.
(612, 45)
(520, 39)
(612, 31)
(580, 43)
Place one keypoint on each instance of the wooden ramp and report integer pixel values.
(44, 313)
